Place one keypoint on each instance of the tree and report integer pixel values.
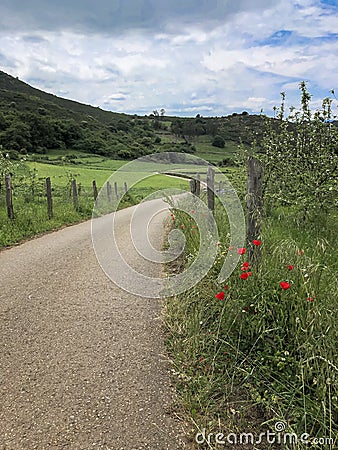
(218, 141)
(299, 155)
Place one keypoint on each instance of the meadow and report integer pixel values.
(29, 192)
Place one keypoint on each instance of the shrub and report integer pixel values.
(218, 141)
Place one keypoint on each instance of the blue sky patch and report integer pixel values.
(333, 3)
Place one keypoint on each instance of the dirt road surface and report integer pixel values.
(83, 363)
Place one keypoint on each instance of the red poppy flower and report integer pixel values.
(218, 244)
(310, 299)
(245, 266)
(231, 247)
(284, 285)
(200, 359)
(256, 242)
(241, 251)
(244, 276)
(220, 295)
(290, 267)
(226, 287)
(249, 273)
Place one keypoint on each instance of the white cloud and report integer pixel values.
(192, 68)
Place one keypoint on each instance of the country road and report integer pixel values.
(82, 362)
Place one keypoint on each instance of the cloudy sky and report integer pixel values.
(211, 57)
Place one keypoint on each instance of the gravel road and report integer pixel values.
(83, 363)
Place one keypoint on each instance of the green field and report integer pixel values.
(29, 195)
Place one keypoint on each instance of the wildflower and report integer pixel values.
(284, 285)
(218, 244)
(244, 276)
(310, 299)
(245, 266)
(200, 359)
(256, 242)
(249, 273)
(300, 252)
(182, 226)
(241, 251)
(192, 211)
(231, 247)
(290, 267)
(220, 295)
(226, 287)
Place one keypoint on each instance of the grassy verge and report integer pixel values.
(259, 354)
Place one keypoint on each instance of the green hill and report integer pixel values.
(33, 121)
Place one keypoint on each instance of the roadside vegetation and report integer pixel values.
(259, 352)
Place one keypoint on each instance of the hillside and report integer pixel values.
(33, 121)
(12, 89)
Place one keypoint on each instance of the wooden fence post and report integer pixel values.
(192, 186)
(254, 205)
(9, 198)
(210, 189)
(75, 196)
(198, 185)
(49, 198)
(116, 190)
(109, 192)
(95, 191)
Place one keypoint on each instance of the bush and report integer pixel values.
(218, 142)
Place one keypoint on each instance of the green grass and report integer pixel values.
(262, 354)
(29, 199)
(60, 174)
(205, 150)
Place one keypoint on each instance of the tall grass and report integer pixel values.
(263, 354)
